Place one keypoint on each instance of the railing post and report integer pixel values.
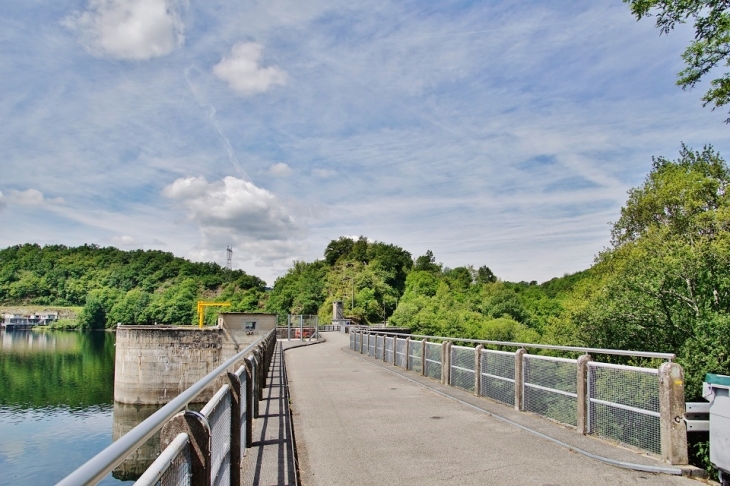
(671, 414)
(445, 362)
(407, 351)
(583, 392)
(252, 364)
(477, 370)
(519, 379)
(236, 449)
(247, 396)
(196, 426)
(395, 350)
(423, 357)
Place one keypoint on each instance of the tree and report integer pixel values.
(485, 275)
(709, 50)
(337, 249)
(427, 263)
(665, 284)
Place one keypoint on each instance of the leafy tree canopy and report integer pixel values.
(711, 46)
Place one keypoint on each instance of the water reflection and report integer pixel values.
(56, 392)
(125, 418)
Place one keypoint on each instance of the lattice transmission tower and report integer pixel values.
(229, 258)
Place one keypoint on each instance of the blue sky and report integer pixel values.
(492, 133)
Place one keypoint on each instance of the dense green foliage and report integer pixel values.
(710, 48)
(135, 287)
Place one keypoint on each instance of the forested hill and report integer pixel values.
(119, 286)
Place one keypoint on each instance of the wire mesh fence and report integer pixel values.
(218, 414)
(498, 376)
(623, 405)
(462, 373)
(179, 471)
(379, 344)
(371, 345)
(415, 356)
(352, 340)
(550, 387)
(432, 360)
(400, 352)
(389, 349)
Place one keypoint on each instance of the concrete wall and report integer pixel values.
(236, 321)
(154, 364)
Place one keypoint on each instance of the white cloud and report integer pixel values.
(233, 211)
(128, 29)
(323, 173)
(280, 169)
(242, 72)
(30, 197)
(124, 240)
(3, 204)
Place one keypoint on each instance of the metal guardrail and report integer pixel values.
(617, 402)
(574, 349)
(105, 461)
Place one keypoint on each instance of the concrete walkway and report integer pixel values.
(358, 422)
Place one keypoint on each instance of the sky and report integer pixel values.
(498, 133)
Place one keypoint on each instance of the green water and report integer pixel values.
(56, 403)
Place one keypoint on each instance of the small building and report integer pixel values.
(26, 321)
(248, 322)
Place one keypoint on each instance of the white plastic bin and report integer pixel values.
(715, 390)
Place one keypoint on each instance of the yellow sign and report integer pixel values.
(201, 309)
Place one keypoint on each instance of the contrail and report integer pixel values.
(211, 112)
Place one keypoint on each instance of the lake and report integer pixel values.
(56, 404)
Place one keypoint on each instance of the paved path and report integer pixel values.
(357, 422)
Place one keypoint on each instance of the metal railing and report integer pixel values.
(224, 418)
(617, 402)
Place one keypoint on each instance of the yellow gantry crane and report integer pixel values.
(201, 309)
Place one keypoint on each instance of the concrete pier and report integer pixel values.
(154, 364)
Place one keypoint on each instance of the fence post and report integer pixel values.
(407, 351)
(395, 348)
(477, 370)
(252, 364)
(247, 396)
(671, 413)
(423, 356)
(236, 448)
(196, 426)
(519, 379)
(583, 392)
(446, 363)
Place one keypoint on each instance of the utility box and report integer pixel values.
(715, 390)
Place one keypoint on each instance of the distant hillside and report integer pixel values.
(119, 286)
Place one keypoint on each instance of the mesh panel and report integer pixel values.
(462, 368)
(352, 340)
(551, 387)
(220, 451)
(389, 345)
(371, 347)
(415, 354)
(433, 360)
(498, 376)
(379, 347)
(624, 405)
(178, 474)
(400, 352)
(357, 341)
